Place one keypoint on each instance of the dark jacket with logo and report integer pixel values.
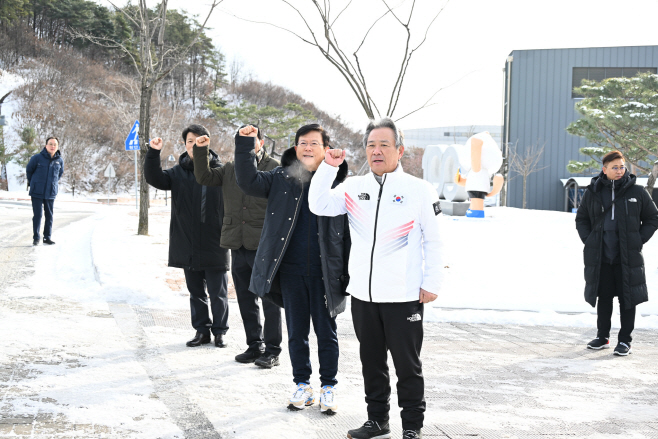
(243, 215)
(636, 220)
(196, 214)
(284, 189)
(43, 173)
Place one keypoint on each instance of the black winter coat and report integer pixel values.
(283, 189)
(195, 229)
(638, 220)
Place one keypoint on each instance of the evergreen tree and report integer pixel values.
(28, 148)
(622, 114)
(276, 123)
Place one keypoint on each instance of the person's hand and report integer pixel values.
(156, 143)
(334, 157)
(202, 141)
(426, 296)
(248, 131)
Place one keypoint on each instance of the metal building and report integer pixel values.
(539, 104)
(448, 135)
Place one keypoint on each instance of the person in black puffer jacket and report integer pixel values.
(195, 234)
(615, 219)
(301, 261)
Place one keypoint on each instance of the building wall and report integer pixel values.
(541, 107)
(422, 137)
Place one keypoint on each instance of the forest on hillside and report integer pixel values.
(88, 95)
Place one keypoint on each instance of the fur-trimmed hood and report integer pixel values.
(290, 161)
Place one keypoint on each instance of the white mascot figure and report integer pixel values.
(479, 159)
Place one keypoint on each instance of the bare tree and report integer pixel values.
(327, 42)
(153, 62)
(525, 162)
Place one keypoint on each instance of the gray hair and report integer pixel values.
(385, 122)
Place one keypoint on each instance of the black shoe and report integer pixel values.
(35, 242)
(370, 430)
(48, 241)
(267, 360)
(249, 356)
(198, 340)
(623, 349)
(219, 341)
(412, 434)
(599, 343)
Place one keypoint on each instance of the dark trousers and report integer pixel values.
(216, 281)
(303, 301)
(39, 206)
(395, 327)
(611, 285)
(242, 263)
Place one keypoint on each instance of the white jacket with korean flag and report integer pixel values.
(394, 231)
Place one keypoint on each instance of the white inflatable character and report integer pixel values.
(479, 159)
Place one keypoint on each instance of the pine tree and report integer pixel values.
(622, 114)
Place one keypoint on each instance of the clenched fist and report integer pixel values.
(156, 143)
(202, 141)
(334, 157)
(248, 131)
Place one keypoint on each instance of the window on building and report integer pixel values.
(446, 134)
(600, 73)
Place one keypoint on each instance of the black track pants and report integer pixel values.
(242, 263)
(395, 327)
(611, 285)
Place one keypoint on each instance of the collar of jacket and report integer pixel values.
(45, 153)
(389, 175)
(289, 159)
(601, 181)
(187, 163)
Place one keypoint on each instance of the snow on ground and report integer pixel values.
(8, 82)
(522, 260)
(529, 274)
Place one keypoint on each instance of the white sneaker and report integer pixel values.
(328, 404)
(302, 397)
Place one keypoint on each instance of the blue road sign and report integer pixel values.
(132, 141)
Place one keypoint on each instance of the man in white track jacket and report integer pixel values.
(393, 269)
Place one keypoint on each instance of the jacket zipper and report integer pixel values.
(203, 203)
(294, 220)
(374, 236)
(626, 202)
(308, 247)
(45, 183)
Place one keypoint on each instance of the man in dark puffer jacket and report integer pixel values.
(43, 173)
(615, 219)
(195, 234)
(301, 256)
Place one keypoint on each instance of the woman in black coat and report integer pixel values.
(195, 234)
(615, 219)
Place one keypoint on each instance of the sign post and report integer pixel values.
(110, 174)
(132, 144)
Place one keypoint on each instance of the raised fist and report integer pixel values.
(334, 157)
(248, 131)
(202, 141)
(156, 143)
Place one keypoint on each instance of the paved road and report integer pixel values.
(482, 380)
(16, 249)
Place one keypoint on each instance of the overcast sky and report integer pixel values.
(465, 49)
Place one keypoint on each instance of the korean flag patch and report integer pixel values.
(437, 208)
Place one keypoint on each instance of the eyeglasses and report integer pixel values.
(312, 144)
